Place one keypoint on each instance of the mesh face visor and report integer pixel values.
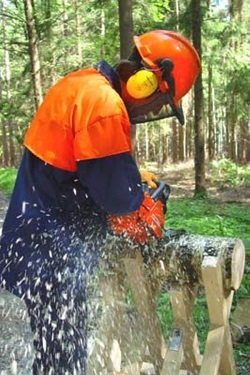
(156, 107)
(159, 105)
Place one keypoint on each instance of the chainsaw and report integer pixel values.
(161, 193)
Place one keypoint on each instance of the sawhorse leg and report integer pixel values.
(186, 354)
(218, 355)
(148, 321)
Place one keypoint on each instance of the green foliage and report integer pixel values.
(230, 69)
(7, 179)
(227, 172)
(165, 313)
(159, 11)
(153, 15)
(205, 217)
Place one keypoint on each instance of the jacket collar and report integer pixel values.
(105, 69)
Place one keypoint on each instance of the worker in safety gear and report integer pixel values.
(78, 179)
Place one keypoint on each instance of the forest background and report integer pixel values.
(42, 40)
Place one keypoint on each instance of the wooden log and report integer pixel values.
(178, 257)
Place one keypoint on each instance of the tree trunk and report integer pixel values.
(181, 142)
(211, 125)
(33, 51)
(3, 139)
(78, 31)
(189, 125)
(126, 27)
(174, 140)
(235, 10)
(50, 75)
(65, 19)
(244, 157)
(9, 121)
(198, 104)
(126, 41)
(232, 128)
(8, 158)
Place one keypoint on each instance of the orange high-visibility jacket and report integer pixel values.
(82, 117)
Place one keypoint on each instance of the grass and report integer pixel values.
(201, 216)
(226, 172)
(7, 179)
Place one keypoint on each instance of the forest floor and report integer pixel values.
(181, 179)
(15, 335)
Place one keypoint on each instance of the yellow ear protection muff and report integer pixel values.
(142, 84)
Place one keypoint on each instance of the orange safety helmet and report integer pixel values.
(162, 44)
(174, 61)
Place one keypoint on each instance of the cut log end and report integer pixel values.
(237, 265)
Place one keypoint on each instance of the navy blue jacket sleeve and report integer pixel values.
(113, 183)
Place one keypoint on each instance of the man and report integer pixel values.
(78, 179)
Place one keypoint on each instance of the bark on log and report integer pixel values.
(178, 257)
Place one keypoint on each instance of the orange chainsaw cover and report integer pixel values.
(82, 117)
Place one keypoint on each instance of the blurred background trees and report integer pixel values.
(42, 40)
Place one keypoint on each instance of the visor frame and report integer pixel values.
(162, 68)
(146, 112)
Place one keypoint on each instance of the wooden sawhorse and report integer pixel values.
(132, 343)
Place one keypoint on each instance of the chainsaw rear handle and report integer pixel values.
(160, 193)
(162, 190)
